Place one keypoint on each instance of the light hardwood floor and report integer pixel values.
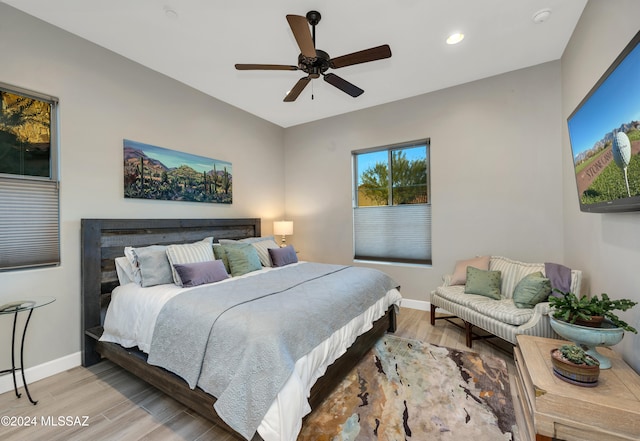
(121, 407)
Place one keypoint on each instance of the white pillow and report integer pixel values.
(125, 272)
(201, 251)
(133, 262)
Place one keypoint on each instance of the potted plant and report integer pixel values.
(569, 309)
(571, 363)
(592, 311)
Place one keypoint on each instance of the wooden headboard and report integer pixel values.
(104, 239)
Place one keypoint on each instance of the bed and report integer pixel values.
(103, 240)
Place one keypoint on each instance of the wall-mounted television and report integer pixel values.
(604, 131)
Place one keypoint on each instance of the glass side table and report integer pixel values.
(15, 306)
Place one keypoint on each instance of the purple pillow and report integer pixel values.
(199, 273)
(283, 256)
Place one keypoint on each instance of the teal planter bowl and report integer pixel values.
(590, 338)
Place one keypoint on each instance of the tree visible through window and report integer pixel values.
(392, 212)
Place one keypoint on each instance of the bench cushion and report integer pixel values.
(503, 310)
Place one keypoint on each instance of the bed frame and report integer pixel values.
(104, 239)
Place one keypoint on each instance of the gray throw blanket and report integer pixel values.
(559, 276)
(239, 341)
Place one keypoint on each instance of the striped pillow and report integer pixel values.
(189, 253)
(513, 271)
(262, 247)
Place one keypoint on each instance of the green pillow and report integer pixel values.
(531, 290)
(484, 283)
(220, 254)
(243, 258)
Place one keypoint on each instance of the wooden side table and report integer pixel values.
(556, 409)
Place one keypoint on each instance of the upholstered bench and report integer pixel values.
(496, 312)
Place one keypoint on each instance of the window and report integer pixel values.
(392, 204)
(29, 202)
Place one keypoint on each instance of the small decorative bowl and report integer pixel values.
(580, 375)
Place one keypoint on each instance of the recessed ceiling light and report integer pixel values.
(541, 16)
(455, 38)
(170, 13)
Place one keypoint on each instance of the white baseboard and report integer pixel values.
(421, 305)
(44, 370)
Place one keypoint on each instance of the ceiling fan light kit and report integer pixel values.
(315, 62)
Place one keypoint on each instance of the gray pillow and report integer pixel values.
(154, 265)
(283, 256)
(199, 273)
(243, 258)
(531, 290)
(484, 283)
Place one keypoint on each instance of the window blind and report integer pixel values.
(29, 223)
(396, 233)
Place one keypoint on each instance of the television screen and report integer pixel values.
(604, 131)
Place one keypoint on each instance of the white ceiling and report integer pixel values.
(201, 42)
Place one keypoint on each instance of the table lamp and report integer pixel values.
(283, 228)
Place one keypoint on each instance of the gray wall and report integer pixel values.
(103, 99)
(496, 173)
(605, 246)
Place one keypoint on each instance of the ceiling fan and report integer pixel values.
(315, 62)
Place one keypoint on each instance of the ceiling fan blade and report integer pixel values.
(343, 85)
(297, 89)
(300, 28)
(375, 53)
(265, 67)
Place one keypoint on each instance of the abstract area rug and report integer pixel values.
(409, 390)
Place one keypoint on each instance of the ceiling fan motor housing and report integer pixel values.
(315, 66)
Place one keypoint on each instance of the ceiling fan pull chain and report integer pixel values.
(311, 91)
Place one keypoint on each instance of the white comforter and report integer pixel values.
(131, 318)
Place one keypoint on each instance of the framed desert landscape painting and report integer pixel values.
(152, 172)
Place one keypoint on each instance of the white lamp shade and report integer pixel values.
(283, 228)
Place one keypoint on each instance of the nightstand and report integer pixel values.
(555, 409)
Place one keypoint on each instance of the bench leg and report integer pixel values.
(433, 314)
(468, 330)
